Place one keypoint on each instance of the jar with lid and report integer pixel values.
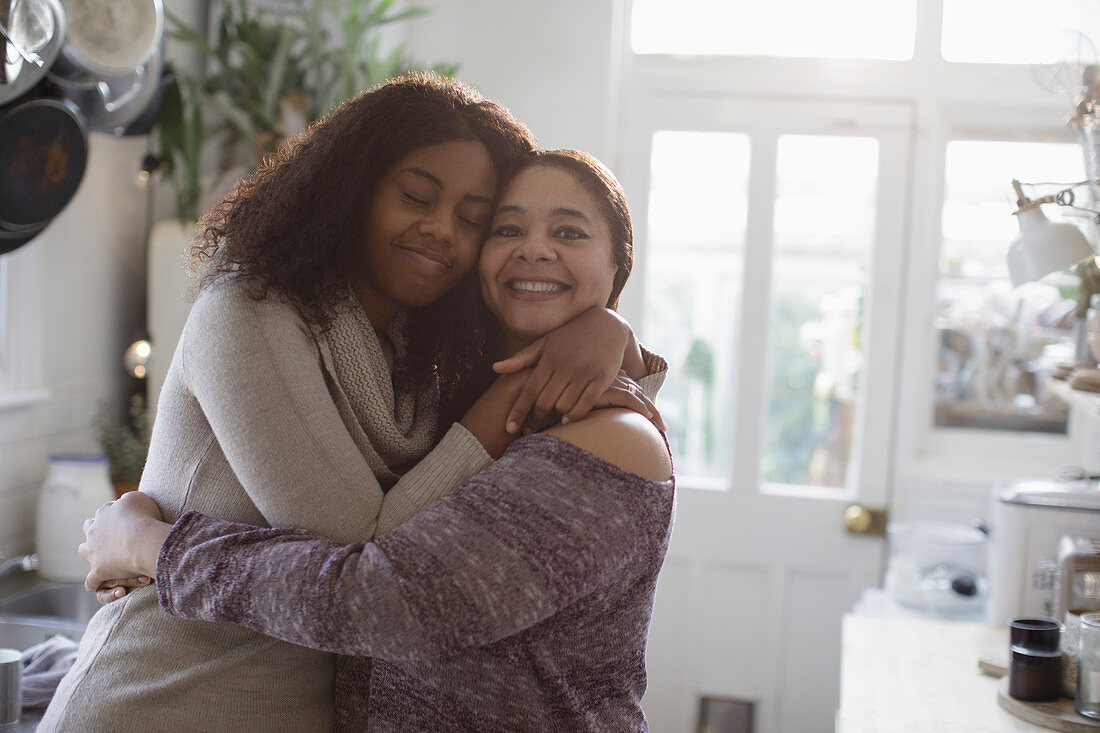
(1088, 666)
(76, 485)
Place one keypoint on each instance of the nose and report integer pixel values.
(534, 248)
(439, 225)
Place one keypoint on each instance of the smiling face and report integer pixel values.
(548, 257)
(424, 224)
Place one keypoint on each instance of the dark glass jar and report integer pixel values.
(1035, 674)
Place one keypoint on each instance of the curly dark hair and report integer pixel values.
(294, 226)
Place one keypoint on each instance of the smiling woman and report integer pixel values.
(326, 379)
(549, 236)
(519, 602)
(424, 226)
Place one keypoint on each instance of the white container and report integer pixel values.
(937, 567)
(76, 485)
(1028, 521)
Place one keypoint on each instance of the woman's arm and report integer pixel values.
(575, 365)
(533, 533)
(253, 366)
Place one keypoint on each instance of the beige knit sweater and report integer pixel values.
(265, 421)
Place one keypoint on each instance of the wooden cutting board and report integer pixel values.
(1056, 715)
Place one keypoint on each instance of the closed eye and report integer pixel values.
(414, 198)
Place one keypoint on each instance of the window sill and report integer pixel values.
(18, 399)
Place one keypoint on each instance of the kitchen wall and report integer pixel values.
(552, 64)
(89, 267)
(82, 286)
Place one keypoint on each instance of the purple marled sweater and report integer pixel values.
(519, 602)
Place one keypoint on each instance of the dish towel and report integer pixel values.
(43, 667)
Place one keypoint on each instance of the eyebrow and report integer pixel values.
(559, 211)
(438, 183)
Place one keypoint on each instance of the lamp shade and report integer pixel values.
(1043, 247)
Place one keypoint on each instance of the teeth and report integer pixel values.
(528, 286)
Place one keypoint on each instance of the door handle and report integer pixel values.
(859, 519)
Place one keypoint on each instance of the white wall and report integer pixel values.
(550, 63)
(89, 264)
(87, 301)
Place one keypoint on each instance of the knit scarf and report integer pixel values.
(393, 425)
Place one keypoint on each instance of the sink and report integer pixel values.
(23, 633)
(67, 601)
(33, 610)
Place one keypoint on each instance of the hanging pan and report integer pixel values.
(43, 153)
(32, 33)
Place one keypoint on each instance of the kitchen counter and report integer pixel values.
(902, 675)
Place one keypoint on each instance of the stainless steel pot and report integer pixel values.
(111, 62)
(108, 39)
(37, 33)
(110, 105)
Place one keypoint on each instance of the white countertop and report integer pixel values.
(902, 675)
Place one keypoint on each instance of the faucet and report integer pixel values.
(26, 563)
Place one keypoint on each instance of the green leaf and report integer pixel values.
(236, 116)
(274, 90)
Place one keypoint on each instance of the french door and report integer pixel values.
(770, 241)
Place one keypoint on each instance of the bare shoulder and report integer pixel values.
(623, 438)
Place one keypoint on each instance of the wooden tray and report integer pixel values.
(1057, 715)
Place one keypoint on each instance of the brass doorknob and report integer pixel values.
(861, 520)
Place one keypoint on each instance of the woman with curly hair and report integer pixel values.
(335, 338)
(518, 602)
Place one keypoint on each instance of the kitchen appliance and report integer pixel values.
(1029, 520)
(937, 567)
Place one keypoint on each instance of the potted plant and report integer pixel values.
(268, 75)
(126, 445)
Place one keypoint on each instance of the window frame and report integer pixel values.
(950, 100)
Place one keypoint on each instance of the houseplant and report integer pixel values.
(268, 75)
(126, 445)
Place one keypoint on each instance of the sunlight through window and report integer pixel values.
(796, 28)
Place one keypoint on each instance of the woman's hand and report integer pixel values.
(122, 542)
(574, 366)
(625, 392)
(114, 590)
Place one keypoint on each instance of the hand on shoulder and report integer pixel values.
(621, 437)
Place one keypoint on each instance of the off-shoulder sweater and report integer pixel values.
(519, 602)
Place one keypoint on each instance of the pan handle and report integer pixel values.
(5, 12)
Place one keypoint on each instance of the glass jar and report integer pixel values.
(76, 485)
(1088, 666)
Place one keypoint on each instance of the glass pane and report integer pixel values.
(996, 345)
(1019, 31)
(697, 203)
(837, 29)
(824, 239)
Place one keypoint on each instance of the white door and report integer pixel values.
(770, 241)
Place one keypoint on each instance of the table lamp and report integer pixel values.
(1044, 247)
